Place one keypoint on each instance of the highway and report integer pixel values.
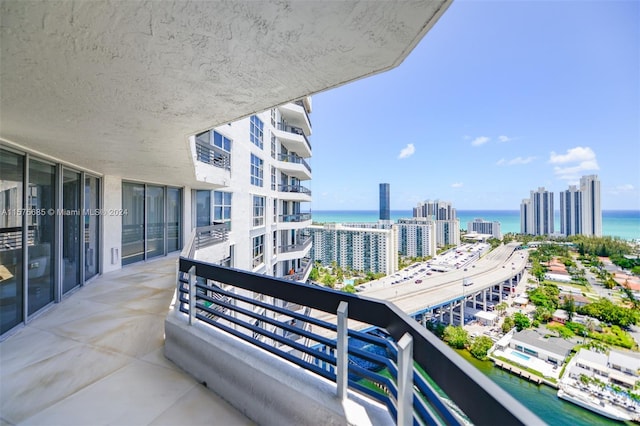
(436, 289)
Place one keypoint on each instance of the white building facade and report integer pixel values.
(416, 237)
(591, 206)
(536, 213)
(481, 226)
(361, 249)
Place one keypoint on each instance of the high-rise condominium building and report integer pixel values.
(536, 214)
(263, 203)
(591, 206)
(385, 202)
(485, 227)
(444, 216)
(436, 210)
(361, 249)
(571, 211)
(416, 237)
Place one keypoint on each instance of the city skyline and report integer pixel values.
(499, 99)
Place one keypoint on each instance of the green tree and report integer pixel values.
(521, 321)
(456, 336)
(501, 308)
(480, 347)
(569, 305)
(329, 280)
(507, 324)
(314, 274)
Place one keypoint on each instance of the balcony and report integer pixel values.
(296, 114)
(294, 221)
(212, 165)
(293, 138)
(301, 274)
(294, 251)
(336, 352)
(294, 165)
(294, 193)
(210, 243)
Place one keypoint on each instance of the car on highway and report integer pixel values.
(418, 281)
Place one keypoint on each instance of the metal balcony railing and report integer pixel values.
(293, 129)
(294, 217)
(213, 155)
(390, 358)
(207, 236)
(300, 103)
(294, 188)
(301, 243)
(293, 158)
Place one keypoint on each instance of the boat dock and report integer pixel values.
(515, 370)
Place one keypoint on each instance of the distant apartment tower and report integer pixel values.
(436, 210)
(416, 237)
(361, 249)
(591, 206)
(385, 203)
(571, 211)
(536, 213)
(481, 226)
(444, 216)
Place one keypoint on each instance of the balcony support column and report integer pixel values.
(342, 364)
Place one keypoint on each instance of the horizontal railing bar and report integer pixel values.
(434, 399)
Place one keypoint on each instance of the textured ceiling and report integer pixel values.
(118, 86)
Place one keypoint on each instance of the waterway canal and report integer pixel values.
(540, 399)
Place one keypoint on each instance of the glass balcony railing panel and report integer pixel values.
(301, 244)
(207, 236)
(294, 188)
(293, 129)
(294, 217)
(292, 158)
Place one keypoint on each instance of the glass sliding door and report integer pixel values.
(203, 208)
(173, 219)
(132, 222)
(91, 226)
(71, 230)
(155, 221)
(11, 284)
(41, 232)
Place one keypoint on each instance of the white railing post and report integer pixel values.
(342, 364)
(405, 381)
(192, 294)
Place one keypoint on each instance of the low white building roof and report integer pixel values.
(486, 315)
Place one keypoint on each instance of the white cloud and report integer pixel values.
(480, 140)
(407, 151)
(515, 161)
(583, 156)
(456, 185)
(622, 189)
(504, 138)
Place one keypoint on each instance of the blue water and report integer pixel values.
(520, 355)
(624, 224)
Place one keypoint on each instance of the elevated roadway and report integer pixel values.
(503, 265)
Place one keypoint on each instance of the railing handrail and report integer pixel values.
(479, 398)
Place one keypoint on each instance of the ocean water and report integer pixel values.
(624, 224)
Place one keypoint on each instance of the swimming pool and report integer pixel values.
(520, 355)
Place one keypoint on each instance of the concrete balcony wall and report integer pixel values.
(263, 387)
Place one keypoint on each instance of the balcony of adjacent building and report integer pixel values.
(293, 138)
(299, 248)
(211, 162)
(297, 114)
(293, 221)
(294, 192)
(293, 165)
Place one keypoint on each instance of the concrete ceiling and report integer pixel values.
(118, 86)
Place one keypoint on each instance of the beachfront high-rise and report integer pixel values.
(481, 226)
(360, 249)
(444, 216)
(591, 206)
(416, 237)
(385, 202)
(536, 213)
(571, 211)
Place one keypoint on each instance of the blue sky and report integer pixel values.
(498, 99)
